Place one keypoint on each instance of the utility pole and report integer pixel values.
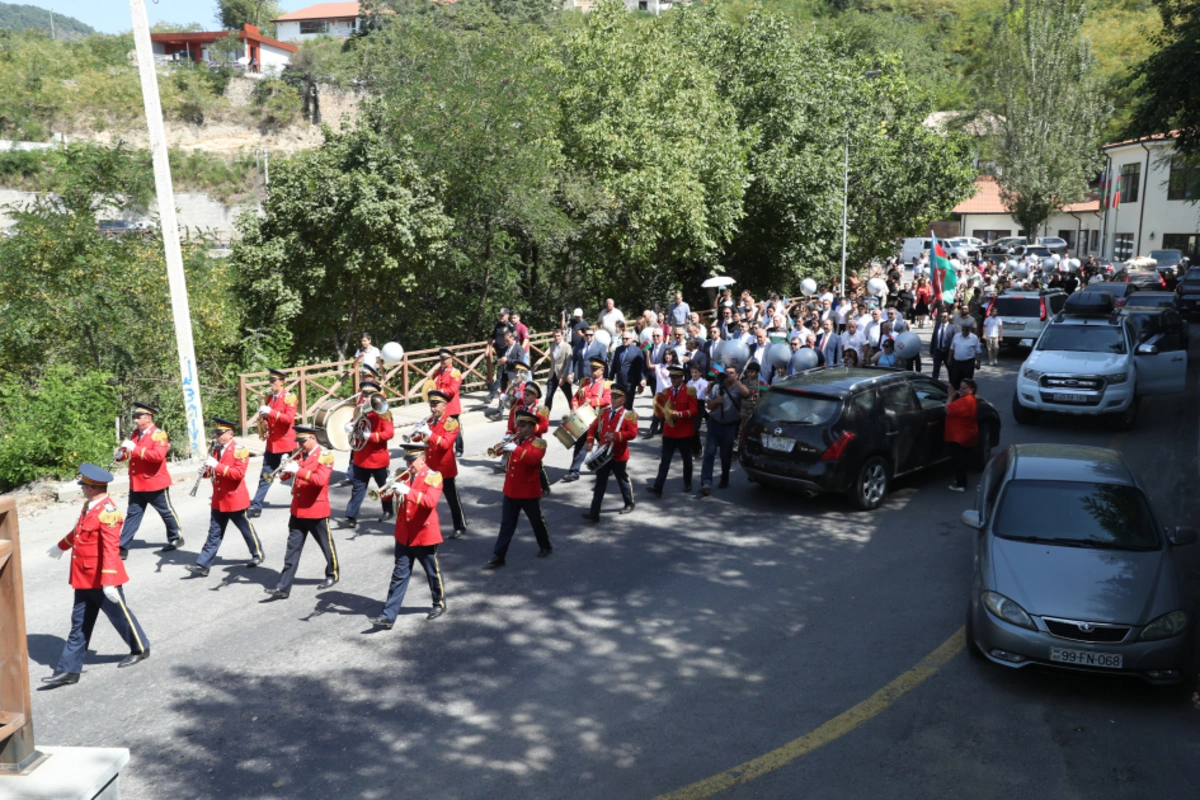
(53, 35)
(189, 376)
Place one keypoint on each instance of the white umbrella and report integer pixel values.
(718, 282)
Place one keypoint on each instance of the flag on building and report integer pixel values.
(945, 279)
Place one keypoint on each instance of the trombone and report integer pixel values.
(496, 450)
(385, 492)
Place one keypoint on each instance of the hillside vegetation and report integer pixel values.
(21, 17)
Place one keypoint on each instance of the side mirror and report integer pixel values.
(1184, 534)
(1147, 350)
(970, 518)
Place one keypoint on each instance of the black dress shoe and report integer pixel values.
(175, 545)
(61, 679)
(435, 612)
(545, 551)
(627, 509)
(687, 487)
(134, 658)
(278, 594)
(495, 562)
(653, 491)
(724, 484)
(385, 516)
(121, 551)
(254, 512)
(348, 522)
(591, 517)
(254, 562)
(458, 533)
(345, 482)
(197, 570)
(325, 584)
(382, 622)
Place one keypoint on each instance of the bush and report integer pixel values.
(52, 425)
(276, 103)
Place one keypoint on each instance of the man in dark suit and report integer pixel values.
(829, 343)
(939, 345)
(654, 356)
(626, 370)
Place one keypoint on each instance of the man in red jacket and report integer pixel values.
(226, 466)
(522, 490)
(372, 461)
(443, 432)
(280, 413)
(614, 428)
(594, 392)
(448, 381)
(676, 406)
(149, 480)
(97, 576)
(310, 511)
(418, 535)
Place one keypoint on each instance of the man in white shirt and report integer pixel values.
(871, 328)
(367, 354)
(842, 312)
(853, 339)
(993, 331)
(965, 352)
(610, 315)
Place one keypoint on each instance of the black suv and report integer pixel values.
(1188, 292)
(852, 430)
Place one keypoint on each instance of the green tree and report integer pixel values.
(233, 14)
(350, 237)
(1169, 99)
(1042, 88)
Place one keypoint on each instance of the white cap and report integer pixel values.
(577, 312)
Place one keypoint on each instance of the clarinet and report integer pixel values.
(212, 450)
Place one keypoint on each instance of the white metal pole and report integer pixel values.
(845, 202)
(170, 227)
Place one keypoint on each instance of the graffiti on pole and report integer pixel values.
(191, 402)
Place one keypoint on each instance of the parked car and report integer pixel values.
(1151, 300)
(1055, 244)
(1120, 292)
(1188, 292)
(914, 247)
(1023, 313)
(1073, 569)
(121, 227)
(961, 247)
(852, 430)
(1035, 250)
(1001, 248)
(1163, 327)
(1144, 279)
(1169, 262)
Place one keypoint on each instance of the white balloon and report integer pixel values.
(808, 287)
(603, 337)
(392, 353)
(1075, 263)
(804, 358)
(1011, 264)
(908, 345)
(1055, 257)
(734, 353)
(877, 287)
(1021, 270)
(1048, 263)
(779, 354)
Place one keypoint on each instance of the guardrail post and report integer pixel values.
(242, 405)
(16, 710)
(302, 394)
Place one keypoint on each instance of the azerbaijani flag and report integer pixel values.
(945, 280)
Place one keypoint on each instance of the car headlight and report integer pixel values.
(1166, 626)
(1007, 610)
(1031, 374)
(1115, 378)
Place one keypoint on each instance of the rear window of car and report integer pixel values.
(1076, 514)
(1018, 306)
(1082, 339)
(1146, 300)
(793, 408)
(1166, 256)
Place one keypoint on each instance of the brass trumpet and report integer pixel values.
(260, 421)
(385, 492)
(283, 465)
(496, 450)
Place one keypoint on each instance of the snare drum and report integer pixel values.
(598, 458)
(330, 418)
(575, 426)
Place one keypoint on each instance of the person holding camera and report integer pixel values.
(724, 404)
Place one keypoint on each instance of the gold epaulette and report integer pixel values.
(454, 373)
(326, 458)
(290, 399)
(160, 437)
(241, 454)
(540, 444)
(630, 416)
(386, 415)
(433, 478)
(451, 425)
(608, 384)
(110, 516)
(544, 412)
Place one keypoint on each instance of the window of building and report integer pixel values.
(1095, 240)
(1123, 246)
(990, 235)
(1187, 243)
(314, 26)
(1184, 181)
(1131, 179)
(1068, 237)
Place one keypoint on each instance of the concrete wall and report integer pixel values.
(273, 59)
(290, 31)
(1143, 223)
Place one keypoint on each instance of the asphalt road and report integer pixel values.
(648, 653)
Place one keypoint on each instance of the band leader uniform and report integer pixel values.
(418, 535)
(614, 428)
(97, 576)
(531, 393)
(448, 381)
(522, 490)
(676, 405)
(443, 433)
(149, 481)
(310, 511)
(279, 412)
(372, 461)
(227, 467)
(594, 392)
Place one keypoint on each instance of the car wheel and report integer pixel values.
(1127, 419)
(983, 449)
(871, 484)
(1023, 415)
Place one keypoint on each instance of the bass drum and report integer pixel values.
(575, 426)
(330, 418)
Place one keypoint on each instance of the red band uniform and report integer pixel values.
(448, 381)
(614, 428)
(543, 425)
(418, 535)
(279, 412)
(149, 480)
(441, 440)
(226, 468)
(594, 392)
(372, 461)
(523, 490)
(309, 475)
(677, 428)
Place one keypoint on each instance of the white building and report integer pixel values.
(339, 20)
(1158, 194)
(985, 217)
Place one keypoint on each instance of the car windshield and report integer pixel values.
(1082, 339)
(1076, 515)
(795, 408)
(1166, 256)
(1193, 274)
(1149, 300)
(1018, 306)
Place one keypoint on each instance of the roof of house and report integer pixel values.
(322, 11)
(1157, 137)
(208, 37)
(987, 200)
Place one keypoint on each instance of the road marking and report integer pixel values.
(833, 729)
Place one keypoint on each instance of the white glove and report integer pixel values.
(510, 447)
(401, 489)
(348, 427)
(112, 594)
(211, 462)
(264, 410)
(128, 445)
(55, 552)
(424, 429)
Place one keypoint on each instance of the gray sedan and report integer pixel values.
(1073, 570)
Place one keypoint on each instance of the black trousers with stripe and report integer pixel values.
(300, 529)
(618, 469)
(405, 556)
(510, 513)
(160, 501)
(450, 492)
(88, 605)
(217, 523)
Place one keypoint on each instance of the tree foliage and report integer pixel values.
(1169, 97)
(233, 14)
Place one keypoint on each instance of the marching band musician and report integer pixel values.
(227, 469)
(531, 393)
(594, 392)
(522, 490)
(97, 576)
(280, 413)
(310, 511)
(615, 427)
(372, 461)
(441, 437)
(418, 534)
(149, 481)
(677, 428)
(448, 381)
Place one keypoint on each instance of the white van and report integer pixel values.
(914, 249)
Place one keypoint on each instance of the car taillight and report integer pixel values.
(1127, 277)
(1042, 303)
(835, 450)
(991, 305)
(1163, 281)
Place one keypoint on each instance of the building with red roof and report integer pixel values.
(260, 54)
